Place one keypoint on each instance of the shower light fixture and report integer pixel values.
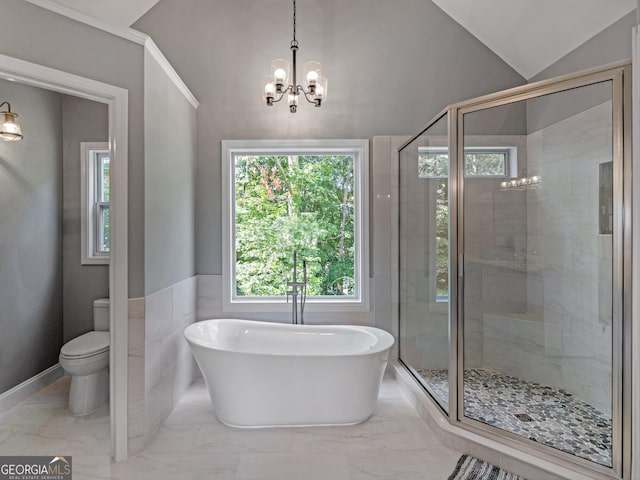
(275, 87)
(521, 182)
(10, 130)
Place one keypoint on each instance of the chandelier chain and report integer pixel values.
(294, 41)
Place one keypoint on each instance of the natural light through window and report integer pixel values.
(307, 197)
(95, 177)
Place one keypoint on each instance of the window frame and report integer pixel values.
(510, 153)
(359, 149)
(90, 205)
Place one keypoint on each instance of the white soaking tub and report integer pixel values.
(263, 374)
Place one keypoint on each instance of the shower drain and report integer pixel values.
(523, 417)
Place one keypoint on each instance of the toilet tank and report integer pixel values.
(101, 314)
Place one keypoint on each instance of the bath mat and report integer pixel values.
(469, 468)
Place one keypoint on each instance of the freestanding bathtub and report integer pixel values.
(262, 374)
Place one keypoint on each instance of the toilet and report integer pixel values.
(86, 360)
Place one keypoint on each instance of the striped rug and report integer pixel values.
(469, 468)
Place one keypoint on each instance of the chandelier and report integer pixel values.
(275, 84)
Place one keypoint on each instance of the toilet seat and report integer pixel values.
(87, 345)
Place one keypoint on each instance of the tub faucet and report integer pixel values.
(297, 289)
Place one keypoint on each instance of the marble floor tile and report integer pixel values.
(178, 439)
(6, 431)
(72, 439)
(435, 463)
(54, 413)
(194, 445)
(377, 436)
(145, 465)
(213, 438)
(389, 389)
(393, 408)
(307, 466)
(91, 467)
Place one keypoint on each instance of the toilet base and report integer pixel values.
(88, 393)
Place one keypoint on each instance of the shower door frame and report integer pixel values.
(619, 74)
(621, 157)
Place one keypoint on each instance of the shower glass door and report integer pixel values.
(541, 198)
(424, 259)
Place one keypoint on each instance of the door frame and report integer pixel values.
(116, 98)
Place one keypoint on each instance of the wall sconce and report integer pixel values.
(10, 130)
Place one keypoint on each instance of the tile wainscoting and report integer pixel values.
(161, 367)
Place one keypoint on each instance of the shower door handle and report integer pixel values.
(461, 265)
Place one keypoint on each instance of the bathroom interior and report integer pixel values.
(495, 241)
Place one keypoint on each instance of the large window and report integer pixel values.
(307, 196)
(95, 176)
(433, 164)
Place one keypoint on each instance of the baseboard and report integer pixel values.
(12, 397)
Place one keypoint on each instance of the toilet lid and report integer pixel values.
(86, 345)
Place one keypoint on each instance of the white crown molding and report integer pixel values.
(159, 57)
(123, 32)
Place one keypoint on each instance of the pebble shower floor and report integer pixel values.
(557, 418)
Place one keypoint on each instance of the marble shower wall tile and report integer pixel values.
(566, 343)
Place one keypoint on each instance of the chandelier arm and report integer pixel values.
(306, 94)
(286, 90)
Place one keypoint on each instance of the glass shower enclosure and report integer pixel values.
(513, 288)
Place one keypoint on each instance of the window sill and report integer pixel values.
(95, 261)
(280, 306)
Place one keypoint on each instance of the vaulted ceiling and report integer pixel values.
(529, 35)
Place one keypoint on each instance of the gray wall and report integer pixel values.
(43, 37)
(30, 236)
(391, 67)
(545, 111)
(82, 121)
(170, 158)
(610, 45)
